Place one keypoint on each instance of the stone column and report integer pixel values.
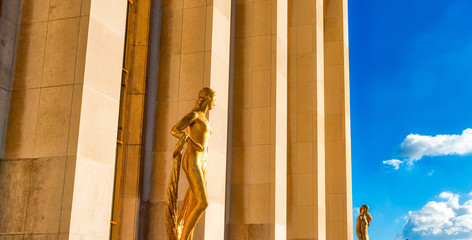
(258, 173)
(94, 171)
(306, 201)
(58, 161)
(37, 166)
(217, 150)
(338, 154)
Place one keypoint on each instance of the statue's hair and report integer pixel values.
(204, 95)
(364, 206)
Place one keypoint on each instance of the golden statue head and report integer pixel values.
(364, 209)
(206, 99)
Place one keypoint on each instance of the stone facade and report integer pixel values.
(89, 90)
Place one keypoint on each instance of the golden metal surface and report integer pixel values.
(363, 221)
(181, 223)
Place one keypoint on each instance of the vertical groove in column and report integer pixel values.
(129, 160)
(320, 122)
(281, 122)
(218, 148)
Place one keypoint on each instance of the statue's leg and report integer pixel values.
(196, 182)
(184, 207)
(190, 206)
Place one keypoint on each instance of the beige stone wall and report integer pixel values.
(8, 28)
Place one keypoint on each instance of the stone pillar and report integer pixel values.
(37, 166)
(217, 150)
(338, 160)
(306, 173)
(258, 146)
(58, 162)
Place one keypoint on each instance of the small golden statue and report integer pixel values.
(363, 221)
(180, 224)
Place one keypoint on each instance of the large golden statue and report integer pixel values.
(180, 224)
(363, 221)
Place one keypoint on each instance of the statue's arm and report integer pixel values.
(358, 228)
(369, 218)
(178, 130)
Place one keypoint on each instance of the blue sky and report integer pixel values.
(411, 73)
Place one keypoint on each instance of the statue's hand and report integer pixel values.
(368, 217)
(200, 148)
(197, 146)
(184, 137)
(180, 144)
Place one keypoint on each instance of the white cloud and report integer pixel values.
(444, 219)
(393, 162)
(447, 195)
(416, 146)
